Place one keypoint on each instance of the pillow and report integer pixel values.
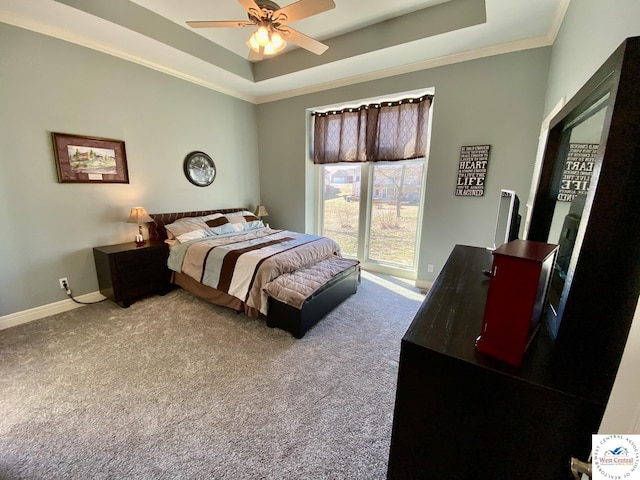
(248, 216)
(193, 228)
(184, 225)
(233, 222)
(216, 220)
(251, 218)
(251, 222)
(193, 235)
(241, 213)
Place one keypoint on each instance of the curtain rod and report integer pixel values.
(390, 103)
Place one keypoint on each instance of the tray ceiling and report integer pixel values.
(367, 38)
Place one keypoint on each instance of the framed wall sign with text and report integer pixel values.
(472, 170)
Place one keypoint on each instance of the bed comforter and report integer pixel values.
(242, 265)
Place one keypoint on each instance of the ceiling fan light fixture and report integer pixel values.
(277, 41)
(274, 44)
(272, 24)
(252, 43)
(262, 36)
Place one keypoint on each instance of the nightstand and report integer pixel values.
(126, 272)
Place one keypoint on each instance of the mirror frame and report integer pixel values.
(603, 281)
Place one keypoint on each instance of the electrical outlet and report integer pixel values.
(64, 283)
(429, 267)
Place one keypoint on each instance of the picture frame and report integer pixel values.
(82, 159)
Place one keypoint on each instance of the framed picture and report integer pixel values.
(82, 159)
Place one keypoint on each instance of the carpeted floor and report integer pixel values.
(175, 388)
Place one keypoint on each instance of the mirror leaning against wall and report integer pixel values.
(581, 142)
(587, 202)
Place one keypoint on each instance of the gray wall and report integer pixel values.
(48, 228)
(590, 32)
(497, 100)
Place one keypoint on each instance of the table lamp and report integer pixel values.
(261, 211)
(139, 215)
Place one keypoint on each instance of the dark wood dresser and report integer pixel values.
(126, 271)
(460, 414)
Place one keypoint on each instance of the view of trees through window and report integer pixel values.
(342, 206)
(394, 197)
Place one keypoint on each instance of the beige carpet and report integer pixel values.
(175, 388)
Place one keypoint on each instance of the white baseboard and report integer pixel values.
(36, 313)
(424, 285)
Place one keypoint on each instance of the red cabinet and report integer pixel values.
(517, 293)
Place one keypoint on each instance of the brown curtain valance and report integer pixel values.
(385, 131)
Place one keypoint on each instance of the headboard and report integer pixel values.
(157, 230)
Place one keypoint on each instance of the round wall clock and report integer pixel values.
(199, 169)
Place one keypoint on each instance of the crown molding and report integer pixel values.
(61, 34)
(561, 11)
(509, 47)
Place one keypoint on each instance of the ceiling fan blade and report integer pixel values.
(214, 24)
(302, 9)
(304, 41)
(249, 4)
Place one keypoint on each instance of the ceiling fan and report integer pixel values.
(272, 22)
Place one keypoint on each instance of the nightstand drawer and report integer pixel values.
(147, 278)
(126, 271)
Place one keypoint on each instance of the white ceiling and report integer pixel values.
(216, 58)
(348, 15)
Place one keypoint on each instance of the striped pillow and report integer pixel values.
(236, 222)
(193, 228)
(184, 225)
(218, 220)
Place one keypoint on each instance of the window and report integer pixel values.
(376, 221)
(372, 162)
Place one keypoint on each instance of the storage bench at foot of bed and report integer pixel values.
(298, 320)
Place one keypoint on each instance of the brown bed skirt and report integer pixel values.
(214, 296)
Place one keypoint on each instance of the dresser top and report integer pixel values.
(450, 319)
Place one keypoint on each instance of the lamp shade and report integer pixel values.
(139, 215)
(261, 211)
(266, 40)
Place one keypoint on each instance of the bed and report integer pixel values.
(228, 257)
